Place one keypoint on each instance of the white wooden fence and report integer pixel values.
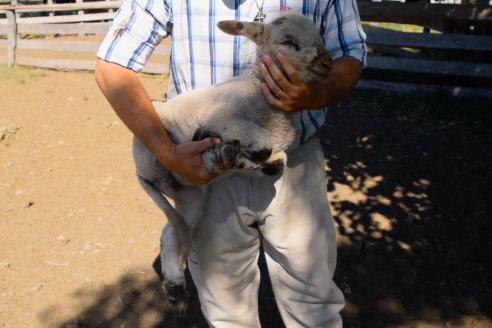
(90, 18)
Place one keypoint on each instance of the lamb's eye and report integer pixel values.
(290, 43)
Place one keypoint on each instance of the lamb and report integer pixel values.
(254, 135)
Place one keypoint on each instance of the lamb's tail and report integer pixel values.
(178, 224)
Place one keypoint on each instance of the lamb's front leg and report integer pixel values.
(256, 143)
(273, 165)
(254, 153)
(221, 157)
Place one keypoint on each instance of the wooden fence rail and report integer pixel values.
(459, 54)
(437, 16)
(449, 59)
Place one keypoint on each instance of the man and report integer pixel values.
(289, 214)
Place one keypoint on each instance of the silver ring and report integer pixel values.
(278, 93)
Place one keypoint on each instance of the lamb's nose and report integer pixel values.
(325, 57)
(328, 62)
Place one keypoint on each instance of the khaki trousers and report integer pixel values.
(294, 222)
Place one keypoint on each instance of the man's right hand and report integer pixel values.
(188, 163)
(130, 101)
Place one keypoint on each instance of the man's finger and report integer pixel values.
(292, 73)
(280, 80)
(271, 99)
(268, 77)
(206, 144)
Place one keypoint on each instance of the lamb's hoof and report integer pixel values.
(177, 297)
(273, 168)
(275, 164)
(261, 155)
(224, 154)
(202, 133)
(157, 266)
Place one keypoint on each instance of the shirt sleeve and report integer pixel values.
(343, 33)
(137, 28)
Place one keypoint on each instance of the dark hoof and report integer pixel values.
(177, 297)
(260, 155)
(273, 168)
(202, 133)
(229, 151)
(224, 154)
(158, 268)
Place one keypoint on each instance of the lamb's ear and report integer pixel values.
(251, 30)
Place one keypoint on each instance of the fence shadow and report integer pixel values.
(409, 179)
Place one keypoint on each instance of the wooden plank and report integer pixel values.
(420, 88)
(12, 38)
(79, 64)
(367, 9)
(58, 45)
(426, 79)
(374, 11)
(80, 46)
(63, 7)
(421, 13)
(85, 28)
(428, 66)
(59, 64)
(66, 18)
(386, 37)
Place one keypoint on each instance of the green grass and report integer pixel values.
(20, 74)
(398, 27)
(408, 28)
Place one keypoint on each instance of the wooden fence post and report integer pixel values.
(11, 37)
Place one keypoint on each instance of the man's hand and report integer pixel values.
(295, 94)
(288, 93)
(188, 161)
(130, 101)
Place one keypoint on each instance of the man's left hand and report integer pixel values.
(286, 91)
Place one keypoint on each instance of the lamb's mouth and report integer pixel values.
(321, 73)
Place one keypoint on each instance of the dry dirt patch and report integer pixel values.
(408, 178)
(72, 217)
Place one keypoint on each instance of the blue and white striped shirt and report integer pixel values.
(202, 55)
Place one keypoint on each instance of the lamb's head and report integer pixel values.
(295, 35)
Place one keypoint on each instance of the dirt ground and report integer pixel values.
(408, 178)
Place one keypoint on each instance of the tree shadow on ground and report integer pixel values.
(409, 178)
(137, 301)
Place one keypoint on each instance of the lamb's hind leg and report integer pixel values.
(172, 271)
(175, 247)
(189, 204)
